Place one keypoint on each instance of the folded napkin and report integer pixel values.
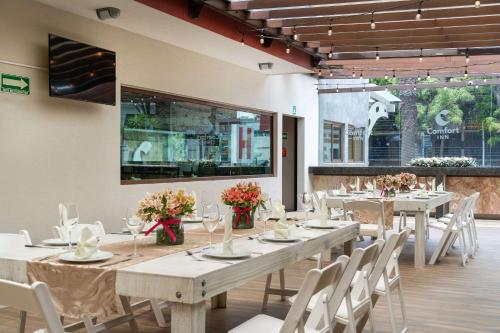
(357, 184)
(433, 185)
(369, 187)
(87, 245)
(227, 246)
(342, 190)
(324, 214)
(440, 187)
(423, 193)
(281, 229)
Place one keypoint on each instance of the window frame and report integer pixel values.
(333, 124)
(232, 107)
(351, 137)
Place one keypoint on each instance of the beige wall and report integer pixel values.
(55, 150)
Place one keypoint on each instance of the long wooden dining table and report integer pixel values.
(185, 281)
(409, 203)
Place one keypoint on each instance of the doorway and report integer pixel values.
(289, 163)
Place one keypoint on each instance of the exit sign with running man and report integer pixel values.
(15, 84)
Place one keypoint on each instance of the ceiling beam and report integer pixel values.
(377, 7)
(377, 34)
(410, 45)
(266, 4)
(388, 26)
(388, 17)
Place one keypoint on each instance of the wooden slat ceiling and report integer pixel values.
(446, 28)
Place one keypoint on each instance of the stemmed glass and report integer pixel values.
(306, 201)
(265, 212)
(412, 186)
(352, 184)
(421, 183)
(429, 182)
(368, 184)
(135, 225)
(210, 217)
(69, 219)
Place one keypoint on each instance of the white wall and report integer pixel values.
(55, 150)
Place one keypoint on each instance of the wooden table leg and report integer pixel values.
(349, 246)
(219, 301)
(188, 318)
(420, 239)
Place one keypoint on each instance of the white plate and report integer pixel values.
(358, 192)
(217, 252)
(197, 219)
(422, 198)
(316, 224)
(56, 242)
(99, 256)
(270, 237)
(440, 192)
(374, 198)
(342, 195)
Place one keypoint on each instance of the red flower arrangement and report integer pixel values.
(244, 198)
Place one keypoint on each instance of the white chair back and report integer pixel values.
(362, 262)
(34, 299)
(366, 212)
(15, 240)
(317, 196)
(315, 281)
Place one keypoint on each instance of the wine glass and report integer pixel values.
(412, 186)
(306, 201)
(69, 219)
(368, 184)
(352, 184)
(265, 212)
(210, 217)
(135, 225)
(421, 183)
(430, 180)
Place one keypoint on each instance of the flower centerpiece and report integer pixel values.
(166, 208)
(406, 180)
(388, 184)
(244, 198)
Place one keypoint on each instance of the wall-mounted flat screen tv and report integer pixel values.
(80, 71)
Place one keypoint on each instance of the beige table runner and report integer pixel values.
(90, 288)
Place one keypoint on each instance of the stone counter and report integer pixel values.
(461, 181)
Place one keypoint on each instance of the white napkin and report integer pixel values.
(281, 229)
(357, 184)
(433, 185)
(369, 187)
(423, 193)
(227, 246)
(342, 190)
(440, 187)
(323, 217)
(87, 245)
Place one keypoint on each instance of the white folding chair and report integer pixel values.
(33, 299)
(391, 280)
(315, 280)
(451, 231)
(364, 212)
(348, 300)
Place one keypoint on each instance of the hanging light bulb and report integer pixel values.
(421, 58)
(445, 87)
(419, 11)
(295, 35)
(330, 55)
(337, 88)
(242, 41)
(477, 4)
(353, 74)
(394, 74)
(414, 88)
(467, 58)
(419, 78)
(466, 72)
(288, 49)
(330, 29)
(364, 88)
(373, 25)
(377, 55)
(386, 89)
(385, 76)
(484, 80)
(262, 39)
(320, 72)
(428, 75)
(361, 76)
(331, 73)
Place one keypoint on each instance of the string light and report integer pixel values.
(467, 58)
(466, 72)
(337, 88)
(421, 59)
(385, 76)
(428, 75)
(372, 22)
(330, 55)
(295, 35)
(242, 41)
(330, 29)
(477, 4)
(364, 89)
(262, 39)
(361, 76)
(288, 49)
(331, 73)
(377, 55)
(320, 72)
(419, 11)
(393, 74)
(414, 88)
(419, 78)
(353, 74)
(386, 89)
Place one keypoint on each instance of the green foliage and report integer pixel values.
(141, 121)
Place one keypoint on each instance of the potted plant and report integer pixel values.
(243, 198)
(206, 168)
(166, 208)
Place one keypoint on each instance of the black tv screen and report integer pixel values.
(80, 71)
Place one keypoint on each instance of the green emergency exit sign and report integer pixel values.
(15, 84)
